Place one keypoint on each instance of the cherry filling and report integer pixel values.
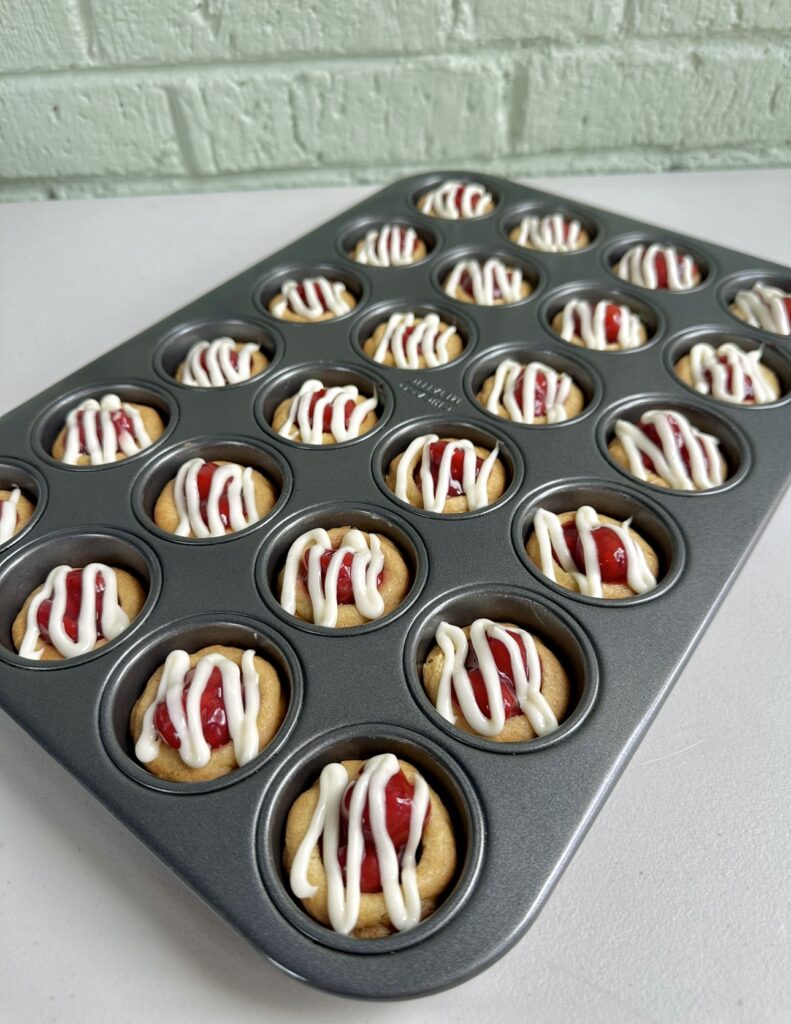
(345, 591)
(399, 793)
(73, 605)
(436, 450)
(205, 474)
(458, 195)
(318, 292)
(502, 660)
(120, 421)
(214, 720)
(652, 434)
(787, 304)
(204, 359)
(613, 564)
(660, 266)
(540, 400)
(326, 423)
(401, 240)
(612, 323)
(749, 393)
(466, 285)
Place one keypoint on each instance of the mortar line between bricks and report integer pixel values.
(497, 49)
(372, 174)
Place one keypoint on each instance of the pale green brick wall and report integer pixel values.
(113, 97)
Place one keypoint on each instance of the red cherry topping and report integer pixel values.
(399, 793)
(609, 547)
(436, 450)
(475, 198)
(502, 660)
(327, 420)
(540, 401)
(73, 606)
(319, 292)
(465, 283)
(205, 474)
(652, 434)
(612, 323)
(660, 265)
(787, 304)
(369, 868)
(749, 393)
(399, 237)
(120, 421)
(234, 355)
(345, 590)
(212, 713)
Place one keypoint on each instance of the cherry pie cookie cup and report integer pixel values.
(104, 431)
(76, 611)
(212, 499)
(552, 232)
(658, 266)
(391, 245)
(318, 414)
(531, 393)
(592, 554)
(456, 200)
(666, 450)
(764, 306)
(490, 282)
(603, 326)
(496, 680)
(342, 577)
(215, 364)
(16, 511)
(407, 851)
(411, 342)
(729, 374)
(241, 708)
(447, 475)
(311, 300)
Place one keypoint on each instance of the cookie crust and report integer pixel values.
(557, 327)
(152, 421)
(166, 514)
(281, 415)
(435, 869)
(396, 581)
(24, 510)
(168, 764)
(618, 454)
(555, 688)
(574, 404)
(258, 363)
(683, 370)
(371, 343)
(131, 597)
(583, 240)
(495, 485)
(610, 591)
(297, 318)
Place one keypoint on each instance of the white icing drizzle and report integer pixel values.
(705, 359)
(99, 414)
(638, 266)
(667, 460)
(241, 708)
(521, 407)
(441, 201)
(399, 887)
(310, 426)
(484, 277)
(548, 233)
(426, 339)
(474, 484)
(114, 619)
(319, 292)
(592, 325)
(552, 546)
(763, 306)
(219, 367)
(8, 514)
(455, 678)
(242, 510)
(367, 563)
(388, 246)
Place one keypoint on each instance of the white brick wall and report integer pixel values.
(122, 96)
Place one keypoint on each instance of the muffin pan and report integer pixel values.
(518, 810)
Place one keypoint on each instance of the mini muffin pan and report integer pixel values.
(519, 810)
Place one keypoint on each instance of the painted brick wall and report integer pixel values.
(111, 97)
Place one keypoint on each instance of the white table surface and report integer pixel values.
(675, 908)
